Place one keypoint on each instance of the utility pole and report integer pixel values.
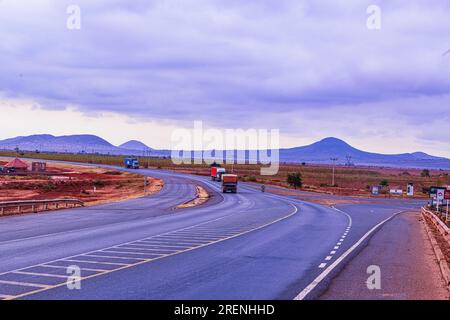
(145, 185)
(334, 164)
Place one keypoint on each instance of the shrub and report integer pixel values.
(99, 183)
(384, 183)
(425, 173)
(295, 180)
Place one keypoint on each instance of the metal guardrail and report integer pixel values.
(35, 205)
(440, 225)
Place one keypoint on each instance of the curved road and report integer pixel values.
(247, 245)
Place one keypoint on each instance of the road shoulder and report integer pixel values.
(408, 266)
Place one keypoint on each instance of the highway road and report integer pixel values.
(249, 245)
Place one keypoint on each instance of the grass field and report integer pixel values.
(349, 180)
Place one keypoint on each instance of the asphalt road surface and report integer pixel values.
(249, 245)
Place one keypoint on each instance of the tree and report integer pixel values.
(425, 173)
(295, 180)
(384, 183)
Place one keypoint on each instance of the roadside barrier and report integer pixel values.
(440, 225)
(38, 205)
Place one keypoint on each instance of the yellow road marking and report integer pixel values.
(104, 272)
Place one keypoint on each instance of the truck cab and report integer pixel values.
(131, 163)
(216, 173)
(220, 173)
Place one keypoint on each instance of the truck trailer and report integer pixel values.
(229, 183)
(131, 163)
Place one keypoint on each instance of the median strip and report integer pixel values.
(201, 197)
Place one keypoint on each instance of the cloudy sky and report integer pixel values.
(139, 69)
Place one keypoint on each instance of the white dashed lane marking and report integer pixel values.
(338, 245)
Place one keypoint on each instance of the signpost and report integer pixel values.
(410, 190)
(439, 197)
(447, 197)
(437, 194)
(375, 190)
(145, 185)
(396, 192)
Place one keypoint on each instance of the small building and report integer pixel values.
(396, 191)
(376, 190)
(16, 165)
(38, 166)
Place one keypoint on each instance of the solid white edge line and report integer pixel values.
(302, 295)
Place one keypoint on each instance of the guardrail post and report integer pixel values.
(2, 210)
(18, 209)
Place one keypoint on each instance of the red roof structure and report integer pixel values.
(16, 164)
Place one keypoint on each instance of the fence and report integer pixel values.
(440, 225)
(38, 205)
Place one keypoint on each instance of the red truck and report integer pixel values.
(216, 173)
(213, 173)
(229, 183)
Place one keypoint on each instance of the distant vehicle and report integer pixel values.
(220, 173)
(213, 173)
(216, 173)
(131, 163)
(229, 183)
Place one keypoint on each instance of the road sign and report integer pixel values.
(433, 191)
(447, 194)
(375, 190)
(396, 192)
(410, 190)
(440, 194)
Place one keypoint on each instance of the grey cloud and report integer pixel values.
(225, 62)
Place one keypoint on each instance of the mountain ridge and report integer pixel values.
(320, 152)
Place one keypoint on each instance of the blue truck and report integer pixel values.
(131, 163)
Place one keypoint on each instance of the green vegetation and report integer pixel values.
(425, 173)
(295, 180)
(384, 183)
(99, 183)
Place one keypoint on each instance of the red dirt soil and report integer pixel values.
(89, 184)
